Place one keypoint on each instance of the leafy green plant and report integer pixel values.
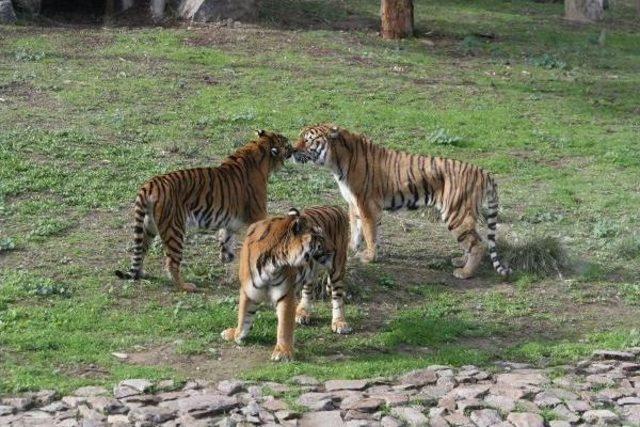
(7, 244)
(441, 137)
(548, 62)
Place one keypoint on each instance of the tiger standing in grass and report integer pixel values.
(281, 254)
(372, 178)
(220, 198)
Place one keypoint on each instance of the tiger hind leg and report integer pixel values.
(471, 243)
(144, 231)
(459, 261)
(227, 241)
(246, 311)
(173, 239)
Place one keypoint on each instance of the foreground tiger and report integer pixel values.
(372, 178)
(278, 255)
(223, 198)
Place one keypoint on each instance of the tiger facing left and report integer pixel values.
(222, 198)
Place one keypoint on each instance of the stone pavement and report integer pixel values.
(604, 390)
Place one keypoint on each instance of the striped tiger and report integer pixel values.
(372, 178)
(222, 198)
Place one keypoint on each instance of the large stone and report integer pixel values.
(600, 416)
(459, 419)
(316, 401)
(503, 403)
(138, 384)
(7, 14)
(217, 10)
(390, 422)
(632, 414)
(43, 397)
(333, 385)
(204, 405)
(419, 378)
(230, 387)
(485, 417)
(409, 415)
(6, 410)
(54, 407)
(525, 419)
(631, 400)
(518, 379)
(90, 391)
(19, 403)
(107, 405)
(274, 405)
(469, 392)
(151, 415)
(578, 405)
(546, 399)
(304, 380)
(321, 419)
(393, 399)
(613, 355)
(364, 405)
(563, 413)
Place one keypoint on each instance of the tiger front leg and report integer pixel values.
(339, 324)
(173, 256)
(303, 311)
(246, 311)
(227, 240)
(471, 243)
(369, 218)
(355, 226)
(286, 309)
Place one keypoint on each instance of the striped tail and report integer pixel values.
(139, 246)
(492, 220)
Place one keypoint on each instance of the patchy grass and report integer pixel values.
(88, 114)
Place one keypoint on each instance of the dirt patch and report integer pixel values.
(226, 363)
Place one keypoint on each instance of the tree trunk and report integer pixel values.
(7, 14)
(583, 10)
(638, 6)
(397, 19)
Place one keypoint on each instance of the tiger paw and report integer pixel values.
(227, 257)
(230, 335)
(461, 274)
(341, 327)
(282, 353)
(303, 317)
(458, 261)
(189, 287)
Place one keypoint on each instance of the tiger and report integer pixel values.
(372, 178)
(222, 198)
(281, 254)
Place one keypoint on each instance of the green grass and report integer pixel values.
(88, 114)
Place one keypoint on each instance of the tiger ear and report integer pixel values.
(334, 132)
(298, 226)
(274, 151)
(261, 132)
(293, 212)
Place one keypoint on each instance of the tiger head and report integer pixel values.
(316, 144)
(301, 241)
(277, 145)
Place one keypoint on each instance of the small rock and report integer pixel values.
(143, 399)
(600, 380)
(367, 405)
(304, 380)
(613, 355)
(19, 403)
(153, 415)
(90, 391)
(578, 405)
(563, 413)
(74, 401)
(458, 419)
(138, 384)
(631, 400)
(558, 423)
(467, 405)
(230, 387)
(632, 413)
(600, 416)
(333, 385)
(43, 397)
(630, 366)
(54, 407)
(390, 422)
(411, 416)
(286, 415)
(106, 405)
(120, 356)
(203, 405)
(166, 385)
(485, 417)
(197, 384)
(546, 399)
(393, 399)
(6, 410)
(321, 419)
(118, 420)
(503, 403)
(470, 392)
(438, 421)
(525, 419)
(419, 378)
(120, 392)
(274, 405)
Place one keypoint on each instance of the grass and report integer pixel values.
(89, 113)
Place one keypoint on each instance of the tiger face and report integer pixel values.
(278, 145)
(303, 242)
(315, 144)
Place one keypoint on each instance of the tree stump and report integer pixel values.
(396, 19)
(7, 14)
(583, 10)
